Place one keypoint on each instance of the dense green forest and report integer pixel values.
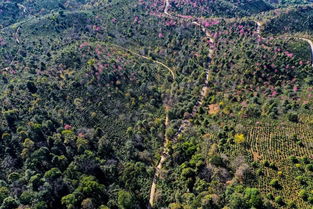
(179, 104)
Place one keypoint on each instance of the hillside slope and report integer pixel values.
(155, 104)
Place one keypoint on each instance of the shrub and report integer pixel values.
(255, 164)
(103, 207)
(41, 205)
(298, 165)
(270, 196)
(4, 192)
(175, 206)
(239, 138)
(243, 172)
(9, 203)
(293, 159)
(300, 179)
(291, 204)
(67, 132)
(187, 172)
(170, 132)
(280, 173)
(13, 177)
(279, 200)
(237, 201)
(31, 87)
(125, 200)
(265, 163)
(259, 172)
(309, 167)
(10, 115)
(303, 194)
(6, 136)
(272, 165)
(299, 143)
(216, 160)
(26, 197)
(274, 183)
(294, 137)
(293, 117)
(206, 201)
(87, 203)
(253, 197)
(69, 200)
(305, 160)
(53, 173)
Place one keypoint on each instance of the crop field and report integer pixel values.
(280, 152)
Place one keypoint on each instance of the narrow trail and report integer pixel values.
(311, 45)
(21, 6)
(309, 41)
(185, 122)
(157, 174)
(167, 5)
(258, 29)
(164, 154)
(147, 58)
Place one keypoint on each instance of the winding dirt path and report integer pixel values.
(311, 45)
(147, 58)
(258, 29)
(157, 174)
(185, 122)
(309, 41)
(164, 154)
(167, 5)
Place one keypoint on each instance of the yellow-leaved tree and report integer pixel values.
(239, 138)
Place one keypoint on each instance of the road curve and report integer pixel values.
(310, 42)
(147, 58)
